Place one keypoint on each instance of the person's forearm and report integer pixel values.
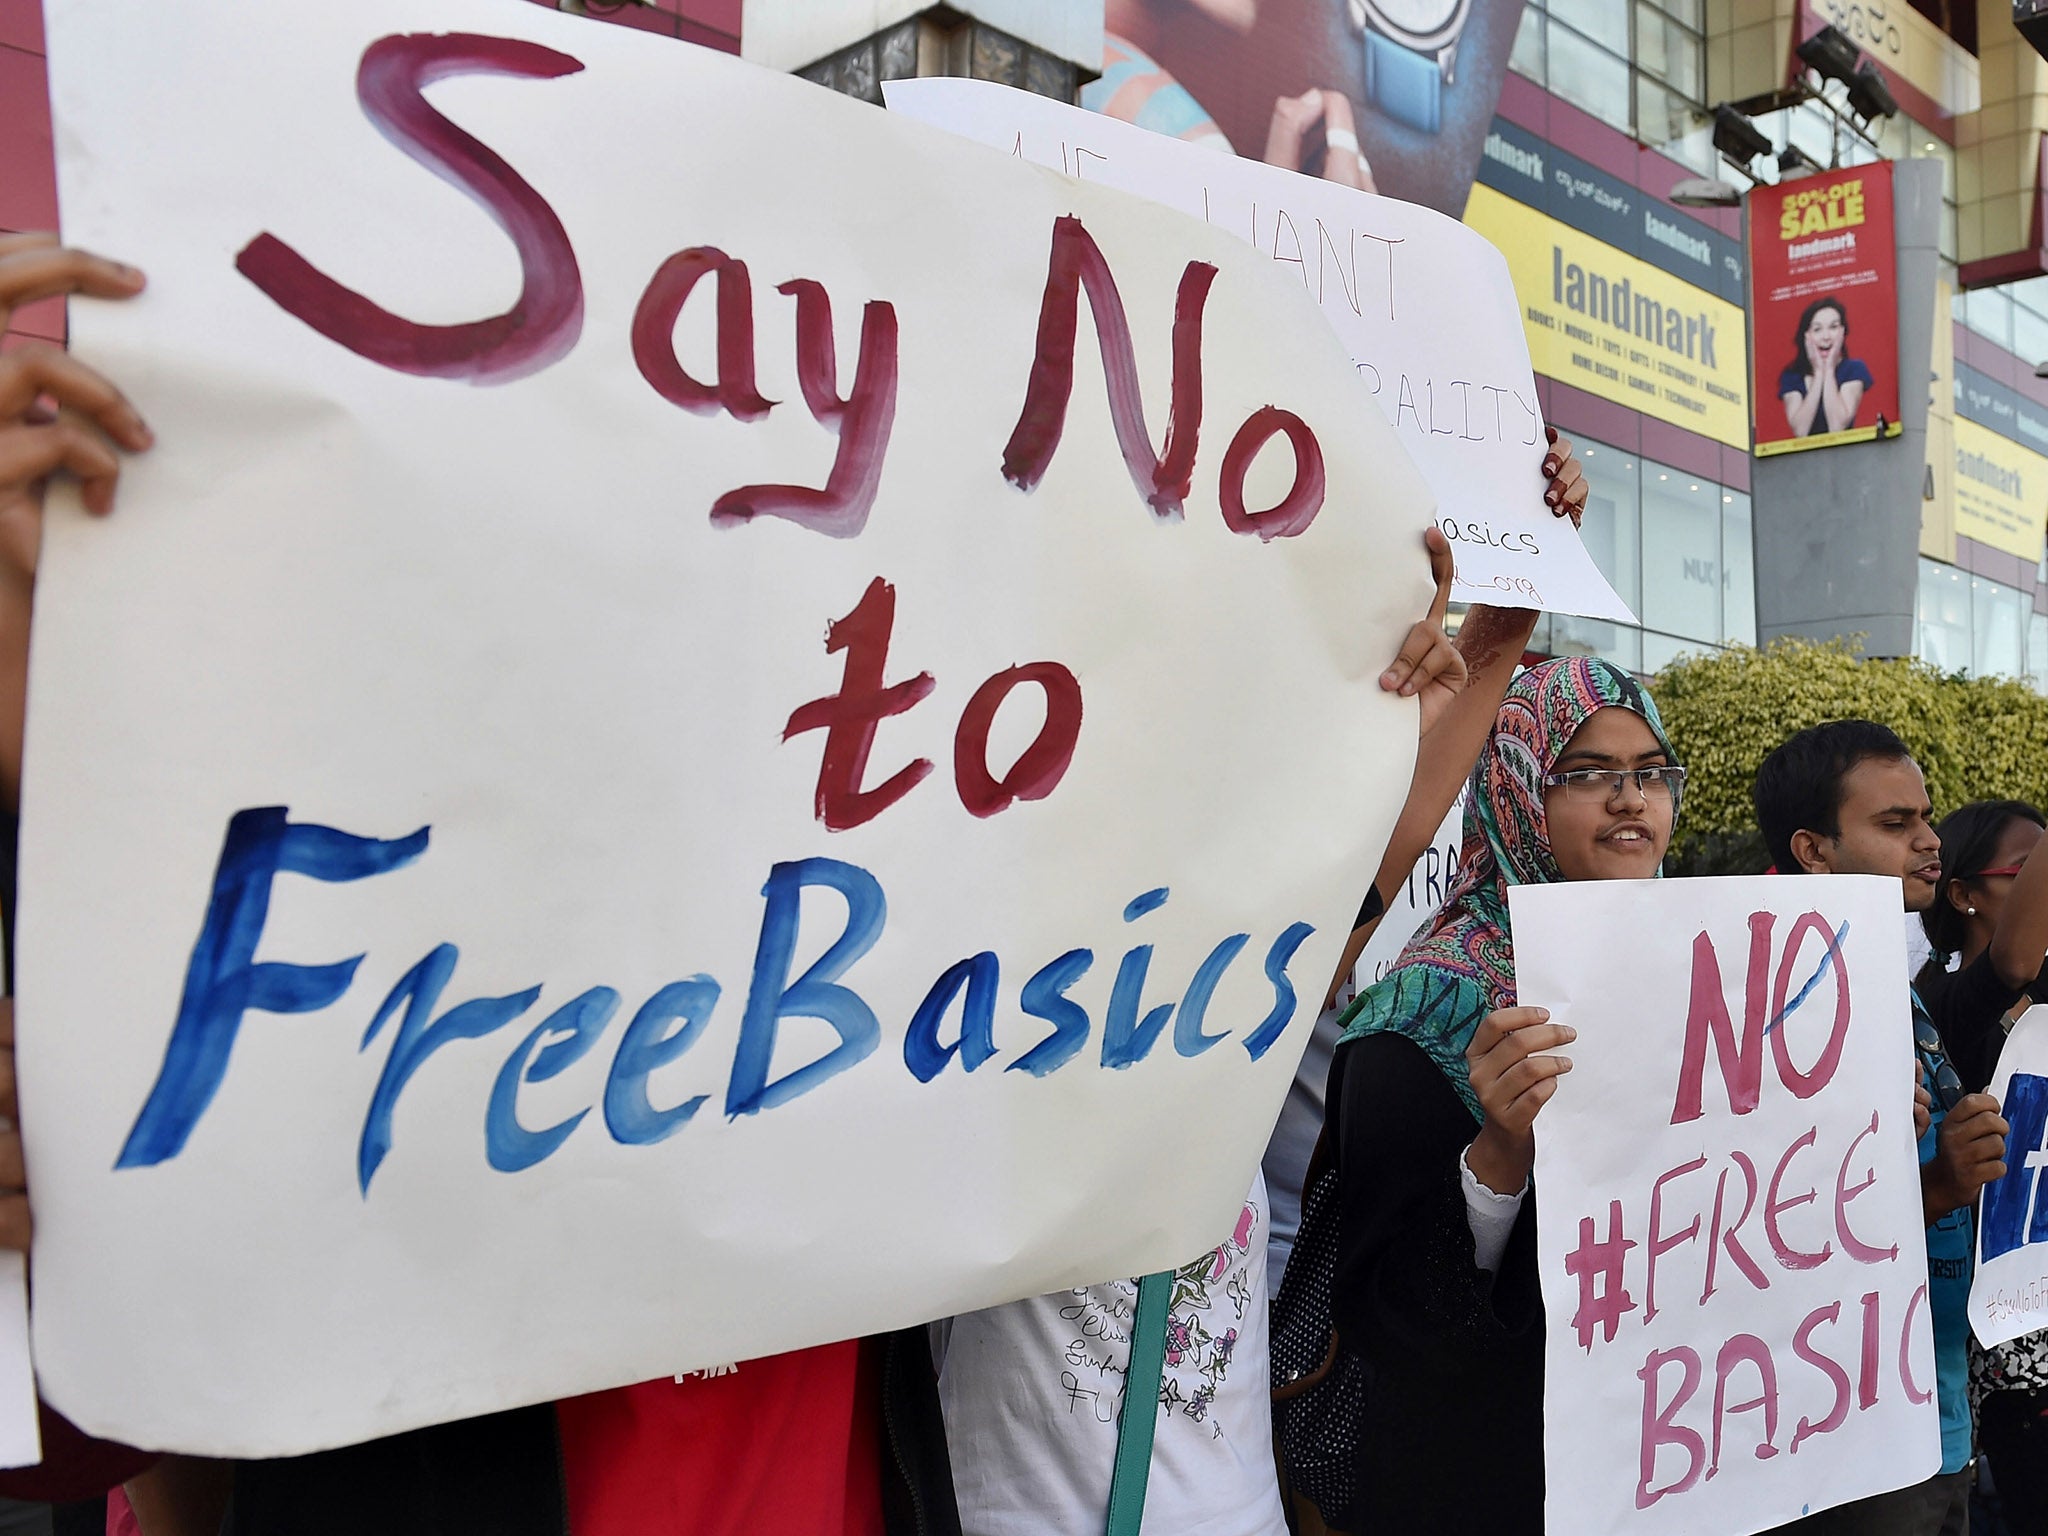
(1831, 404)
(2021, 938)
(1492, 641)
(1799, 415)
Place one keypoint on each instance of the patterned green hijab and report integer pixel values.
(1462, 966)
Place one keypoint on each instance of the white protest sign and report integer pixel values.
(21, 1435)
(2009, 1291)
(1424, 305)
(564, 846)
(1734, 1273)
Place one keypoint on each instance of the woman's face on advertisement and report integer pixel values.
(1825, 332)
(1620, 835)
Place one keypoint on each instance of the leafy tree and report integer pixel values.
(1974, 738)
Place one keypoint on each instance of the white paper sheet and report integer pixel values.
(1721, 1359)
(21, 1438)
(1424, 305)
(490, 620)
(2009, 1291)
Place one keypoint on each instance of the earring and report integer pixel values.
(1972, 911)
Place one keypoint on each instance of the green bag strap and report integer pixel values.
(1140, 1413)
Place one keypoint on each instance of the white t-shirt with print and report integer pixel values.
(1032, 1392)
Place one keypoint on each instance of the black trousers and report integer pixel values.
(2013, 1433)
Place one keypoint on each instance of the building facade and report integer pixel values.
(1560, 129)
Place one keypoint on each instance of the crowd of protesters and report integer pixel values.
(1426, 1091)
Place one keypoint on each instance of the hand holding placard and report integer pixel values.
(1513, 1081)
(1969, 1153)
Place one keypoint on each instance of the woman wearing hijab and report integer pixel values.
(1438, 1082)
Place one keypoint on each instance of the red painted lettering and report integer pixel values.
(1293, 513)
(1790, 1257)
(1861, 1252)
(1660, 1431)
(1802, 1346)
(1043, 763)
(1746, 1349)
(654, 342)
(1866, 1368)
(547, 319)
(1660, 1244)
(1719, 1237)
(863, 420)
(1077, 264)
(1707, 1015)
(1805, 1085)
(1913, 1392)
(849, 717)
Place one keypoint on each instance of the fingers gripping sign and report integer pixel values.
(1566, 492)
(1514, 1076)
(57, 416)
(1429, 668)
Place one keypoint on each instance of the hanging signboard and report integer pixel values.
(1824, 310)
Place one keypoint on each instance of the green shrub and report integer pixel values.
(1975, 738)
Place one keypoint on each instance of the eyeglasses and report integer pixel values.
(1661, 782)
(1984, 874)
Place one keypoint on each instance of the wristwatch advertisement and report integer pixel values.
(1403, 92)
(1411, 51)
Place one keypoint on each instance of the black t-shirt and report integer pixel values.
(1968, 1007)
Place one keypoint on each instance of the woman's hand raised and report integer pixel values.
(1513, 1079)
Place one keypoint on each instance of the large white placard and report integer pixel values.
(2009, 1290)
(1424, 305)
(1728, 1219)
(564, 846)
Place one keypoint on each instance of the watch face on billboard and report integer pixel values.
(1824, 299)
(1394, 96)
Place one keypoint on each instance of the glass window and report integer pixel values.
(1988, 312)
(1681, 554)
(1591, 79)
(1659, 651)
(1809, 128)
(1604, 21)
(1690, 12)
(1612, 532)
(1738, 570)
(2037, 651)
(1667, 121)
(1999, 615)
(1941, 617)
(2029, 335)
(1667, 50)
(1527, 59)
